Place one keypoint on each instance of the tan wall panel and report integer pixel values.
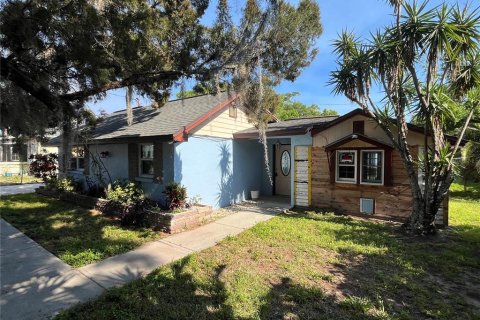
(224, 126)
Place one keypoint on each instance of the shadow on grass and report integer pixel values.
(74, 234)
(403, 274)
(381, 275)
(167, 293)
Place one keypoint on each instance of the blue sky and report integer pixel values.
(360, 16)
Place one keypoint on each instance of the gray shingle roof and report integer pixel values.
(290, 125)
(148, 121)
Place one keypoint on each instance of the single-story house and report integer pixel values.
(207, 144)
(14, 157)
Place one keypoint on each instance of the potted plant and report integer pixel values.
(254, 194)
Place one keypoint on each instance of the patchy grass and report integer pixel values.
(313, 266)
(17, 179)
(471, 192)
(76, 235)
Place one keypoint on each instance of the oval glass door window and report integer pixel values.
(286, 163)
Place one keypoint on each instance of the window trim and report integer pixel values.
(140, 159)
(383, 167)
(16, 153)
(337, 165)
(77, 168)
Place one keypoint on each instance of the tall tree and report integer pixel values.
(62, 53)
(427, 62)
(291, 109)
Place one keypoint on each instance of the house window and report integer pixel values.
(146, 160)
(232, 111)
(14, 154)
(372, 167)
(77, 160)
(345, 168)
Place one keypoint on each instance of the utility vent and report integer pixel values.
(367, 206)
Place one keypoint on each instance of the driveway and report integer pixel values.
(19, 188)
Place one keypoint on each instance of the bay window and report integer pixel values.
(368, 165)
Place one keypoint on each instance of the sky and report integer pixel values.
(360, 16)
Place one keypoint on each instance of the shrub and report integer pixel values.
(126, 193)
(176, 195)
(63, 184)
(44, 166)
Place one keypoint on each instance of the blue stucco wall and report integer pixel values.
(117, 167)
(220, 171)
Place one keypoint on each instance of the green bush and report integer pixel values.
(65, 184)
(126, 193)
(176, 195)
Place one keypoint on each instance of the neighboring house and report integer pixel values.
(14, 157)
(207, 144)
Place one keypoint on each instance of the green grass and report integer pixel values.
(76, 235)
(313, 266)
(472, 192)
(17, 180)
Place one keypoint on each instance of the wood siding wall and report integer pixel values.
(393, 202)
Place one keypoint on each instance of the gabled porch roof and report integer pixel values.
(355, 137)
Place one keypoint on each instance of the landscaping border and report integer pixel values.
(177, 222)
(160, 221)
(84, 201)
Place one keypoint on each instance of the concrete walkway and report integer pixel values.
(37, 285)
(19, 188)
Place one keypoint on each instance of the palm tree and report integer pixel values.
(426, 64)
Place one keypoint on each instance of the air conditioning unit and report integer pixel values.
(367, 206)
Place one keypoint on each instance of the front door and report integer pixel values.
(283, 163)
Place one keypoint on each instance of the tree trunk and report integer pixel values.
(66, 147)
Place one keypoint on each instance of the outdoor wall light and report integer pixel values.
(354, 136)
(105, 154)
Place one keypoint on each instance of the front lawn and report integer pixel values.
(76, 235)
(313, 266)
(17, 179)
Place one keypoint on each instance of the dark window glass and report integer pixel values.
(81, 163)
(372, 162)
(346, 172)
(146, 167)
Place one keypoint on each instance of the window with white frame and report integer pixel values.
(346, 166)
(146, 160)
(77, 159)
(372, 168)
